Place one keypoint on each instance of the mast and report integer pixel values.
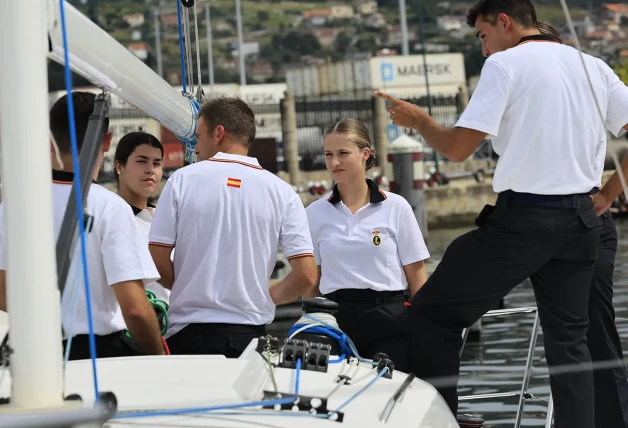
(32, 293)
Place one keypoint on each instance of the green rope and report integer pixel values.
(161, 309)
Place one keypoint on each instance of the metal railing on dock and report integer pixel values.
(523, 393)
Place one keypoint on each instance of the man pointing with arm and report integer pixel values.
(533, 100)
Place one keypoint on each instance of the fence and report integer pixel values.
(314, 114)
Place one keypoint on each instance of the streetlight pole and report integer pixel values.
(160, 68)
(404, 28)
(240, 44)
(210, 53)
(425, 72)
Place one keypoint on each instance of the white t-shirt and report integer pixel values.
(368, 249)
(116, 252)
(144, 219)
(227, 216)
(534, 101)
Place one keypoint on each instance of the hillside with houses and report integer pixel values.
(279, 35)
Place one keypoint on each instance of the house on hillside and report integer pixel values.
(615, 11)
(365, 7)
(316, 17)
(140, 50)
(134, 19)
(340, 11)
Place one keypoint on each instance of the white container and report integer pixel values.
(406, 71)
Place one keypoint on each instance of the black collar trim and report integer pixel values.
(536, 38)
(137, 210)
(63, 177)
(377, 195)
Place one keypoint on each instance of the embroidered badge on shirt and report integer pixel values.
(234, 182)
(376, 239)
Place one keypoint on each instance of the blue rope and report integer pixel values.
(78, 195)
(347, 348)
(298, 377)
(190, 142)
(175, 412)
(364, 388)
(181, 51)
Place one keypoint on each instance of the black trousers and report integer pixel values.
(229, 340)
(376, 321)
(519, 238)
(107, 346)
(611, 384)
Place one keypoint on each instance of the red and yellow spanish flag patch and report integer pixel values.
(234, 182)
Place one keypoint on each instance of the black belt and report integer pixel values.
(509, 197)
(363, 295)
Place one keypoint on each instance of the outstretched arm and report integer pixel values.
(456, 144)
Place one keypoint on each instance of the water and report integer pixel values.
(496, 362)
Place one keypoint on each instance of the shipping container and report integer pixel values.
(326, 79)
(294, 81)
(362, 74)
(310, 81)
(336, 78)
(345, 77)
(400, 71)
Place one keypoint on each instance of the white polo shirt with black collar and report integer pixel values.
(226, 217)
(536, 105)
(368, 249)
(144, 219)
(116, 252)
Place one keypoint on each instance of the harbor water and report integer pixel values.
(495, 362)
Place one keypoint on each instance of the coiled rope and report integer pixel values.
(323, 323)
(161, 309)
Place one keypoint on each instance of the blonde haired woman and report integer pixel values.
(368, 247)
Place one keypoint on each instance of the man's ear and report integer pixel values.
(219, 134)
(106, 143)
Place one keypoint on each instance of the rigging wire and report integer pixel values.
(199, 92)
(183, 77)
(78, 195)
(574, 36)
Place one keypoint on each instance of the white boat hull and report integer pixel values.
(153, 383)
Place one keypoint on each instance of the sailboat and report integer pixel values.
(302, 380)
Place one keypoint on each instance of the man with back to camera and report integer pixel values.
(534, 101)
(118, 264)
(226, 216)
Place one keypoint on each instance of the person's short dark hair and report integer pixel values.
(233, 114)
(59, 119)
(522, 11)
(128, 144)
(548, 29)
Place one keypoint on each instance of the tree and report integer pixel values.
(622, 71)
(342, 42)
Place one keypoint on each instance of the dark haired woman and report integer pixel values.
(137, 173)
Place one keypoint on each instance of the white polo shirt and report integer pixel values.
(368, 249)
(226, 216)
(144, 219)
(534, 101)
(116, 252)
